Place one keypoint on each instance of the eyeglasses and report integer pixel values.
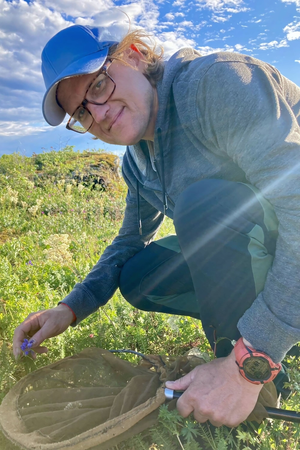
(98, 93)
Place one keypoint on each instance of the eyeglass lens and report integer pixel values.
(99, 92)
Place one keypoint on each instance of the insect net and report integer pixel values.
(95, 400)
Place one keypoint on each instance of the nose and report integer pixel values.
(98, 111)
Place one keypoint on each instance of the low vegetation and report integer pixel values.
(58, 212)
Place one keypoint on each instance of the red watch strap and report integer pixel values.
(242, 352)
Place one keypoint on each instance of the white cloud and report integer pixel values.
(29, 25)
(290, 2)
(149, 19)
(237, 10)
(208, 50)
(20, 129)
(114, 22)
(173, 41)
(220, 18)
(186, 23)
(241, 48)
(77, 8)
(169, 16)
(179, 3)
(292, 30)
(25, 28)
(297, 61)
(273, 44)
(231, 6)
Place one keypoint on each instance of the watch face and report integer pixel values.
(257, 368)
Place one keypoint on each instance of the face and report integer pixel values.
(130, 113)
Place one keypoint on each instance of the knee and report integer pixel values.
(128, 285)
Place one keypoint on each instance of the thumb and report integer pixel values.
(35, 344)
(181, 384)
(46, 331)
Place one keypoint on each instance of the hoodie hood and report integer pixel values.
(173, 68)
(138, 153)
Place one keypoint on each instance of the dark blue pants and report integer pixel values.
(215, 265)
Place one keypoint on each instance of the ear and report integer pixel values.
(134, 57)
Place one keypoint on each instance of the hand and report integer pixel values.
(217, 392)
(42, 325)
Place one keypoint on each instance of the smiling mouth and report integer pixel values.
(116, 118)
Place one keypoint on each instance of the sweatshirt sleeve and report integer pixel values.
(249, 112)
(101, 283)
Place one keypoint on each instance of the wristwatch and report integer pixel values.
(255, 366)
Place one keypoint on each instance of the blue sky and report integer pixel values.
(268, 30)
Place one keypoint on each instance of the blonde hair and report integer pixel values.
(152, 57)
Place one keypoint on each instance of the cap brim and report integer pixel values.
(52, 112)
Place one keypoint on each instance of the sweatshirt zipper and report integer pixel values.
(139, 217)
(161, 178)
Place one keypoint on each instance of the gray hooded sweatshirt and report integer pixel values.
(225, 116)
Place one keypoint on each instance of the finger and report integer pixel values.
(215, 424)
(47, 331)
(33, 344)
(200, 417)
(181, 384)
(18, 338)
(184, 407)
(24, 330)
(32, 353)
(41, 350)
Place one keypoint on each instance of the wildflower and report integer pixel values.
(68, 189)
(34, 209)
(29, 263)
(14, 200)
(59, 248)
(68, 198)
(91, 335)
(80, 187)
(32, 233)
(24, 205)
(26, 346)
(12, 195)
(30, 184)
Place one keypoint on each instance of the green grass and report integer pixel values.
(54, 225)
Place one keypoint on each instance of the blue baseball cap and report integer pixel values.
(77, 50)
